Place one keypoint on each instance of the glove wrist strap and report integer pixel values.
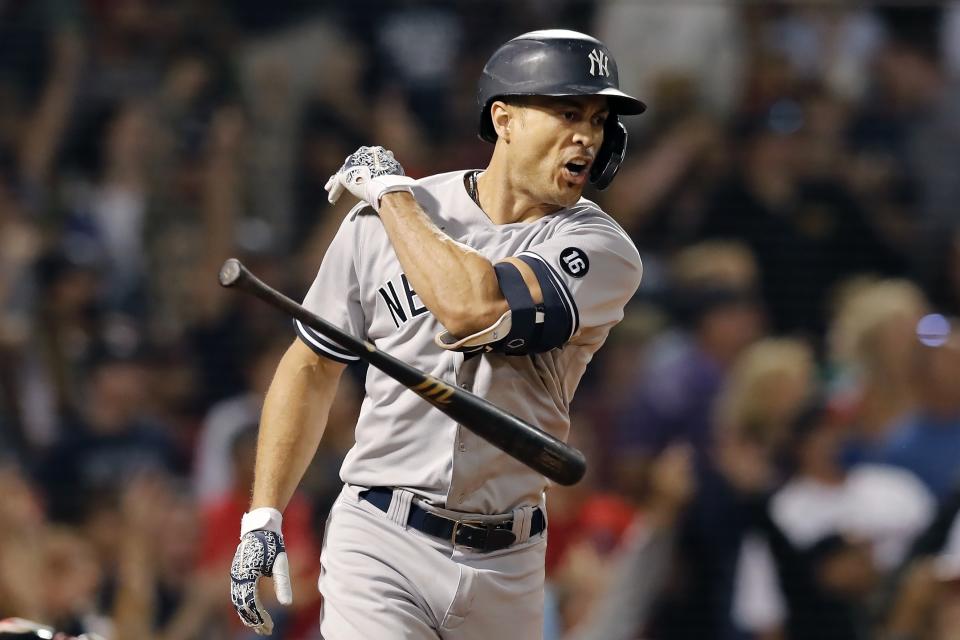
(261, 519)
(389, 184)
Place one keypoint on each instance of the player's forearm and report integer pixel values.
(455, 282)
(293, 421)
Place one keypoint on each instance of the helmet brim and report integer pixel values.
(622, 103)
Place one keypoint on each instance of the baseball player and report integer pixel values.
(504, 280)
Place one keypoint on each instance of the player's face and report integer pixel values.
(554, 144)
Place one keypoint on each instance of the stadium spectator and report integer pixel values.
(110, 441)
(717, 314)
(928, 444)
(831, 536)
(767, 387)
(874, 347)
(807, 232)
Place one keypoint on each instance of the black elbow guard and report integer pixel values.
(534, 328)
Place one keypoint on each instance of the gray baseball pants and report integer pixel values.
(382, 580)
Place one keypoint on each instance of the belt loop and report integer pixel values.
(522, 519)
(399, 510)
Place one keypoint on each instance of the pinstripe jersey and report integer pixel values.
(401, 440)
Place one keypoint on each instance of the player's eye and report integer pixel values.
(570, 116)
(600, 120)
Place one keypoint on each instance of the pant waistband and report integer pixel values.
(478, 535)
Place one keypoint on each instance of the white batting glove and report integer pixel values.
(368, 173)
(260, 553)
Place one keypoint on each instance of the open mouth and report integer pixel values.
(576, 171)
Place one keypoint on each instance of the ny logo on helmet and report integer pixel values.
(598, 63)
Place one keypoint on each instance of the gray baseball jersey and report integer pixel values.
(401, 440)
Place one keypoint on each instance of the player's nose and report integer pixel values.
(588, 136)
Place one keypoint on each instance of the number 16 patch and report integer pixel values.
(575, 262)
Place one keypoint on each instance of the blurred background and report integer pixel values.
(773, 430)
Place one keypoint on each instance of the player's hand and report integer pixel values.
(260, 553)
(368, 173)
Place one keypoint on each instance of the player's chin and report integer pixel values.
(569, 193)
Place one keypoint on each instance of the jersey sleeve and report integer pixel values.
(594, 268)
(335, 295)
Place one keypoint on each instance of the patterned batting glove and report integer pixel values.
(260, 553)
(368, 173)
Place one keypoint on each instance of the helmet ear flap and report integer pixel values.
(487, 132)
(611, 153)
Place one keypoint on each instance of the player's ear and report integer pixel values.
(501, 114)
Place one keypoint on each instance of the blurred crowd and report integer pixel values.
(773, 431)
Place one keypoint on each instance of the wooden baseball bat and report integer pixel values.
(533, 447)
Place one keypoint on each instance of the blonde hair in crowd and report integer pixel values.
(765, 389)
(715, 262)
(866, 307)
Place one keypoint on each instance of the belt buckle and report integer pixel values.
(500, 538)
(469, 522)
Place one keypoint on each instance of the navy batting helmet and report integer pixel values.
(558, 62)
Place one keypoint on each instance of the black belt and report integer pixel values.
(467, 533)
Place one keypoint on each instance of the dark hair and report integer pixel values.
(811, 416)
(914, 28)
(689, 304)
(825, 548)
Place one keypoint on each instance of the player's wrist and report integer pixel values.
(261, 519)
(383, 186)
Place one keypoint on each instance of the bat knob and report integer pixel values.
(230, 272)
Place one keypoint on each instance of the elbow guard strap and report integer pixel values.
(557, 323)
(535, 328)
(524, 330)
